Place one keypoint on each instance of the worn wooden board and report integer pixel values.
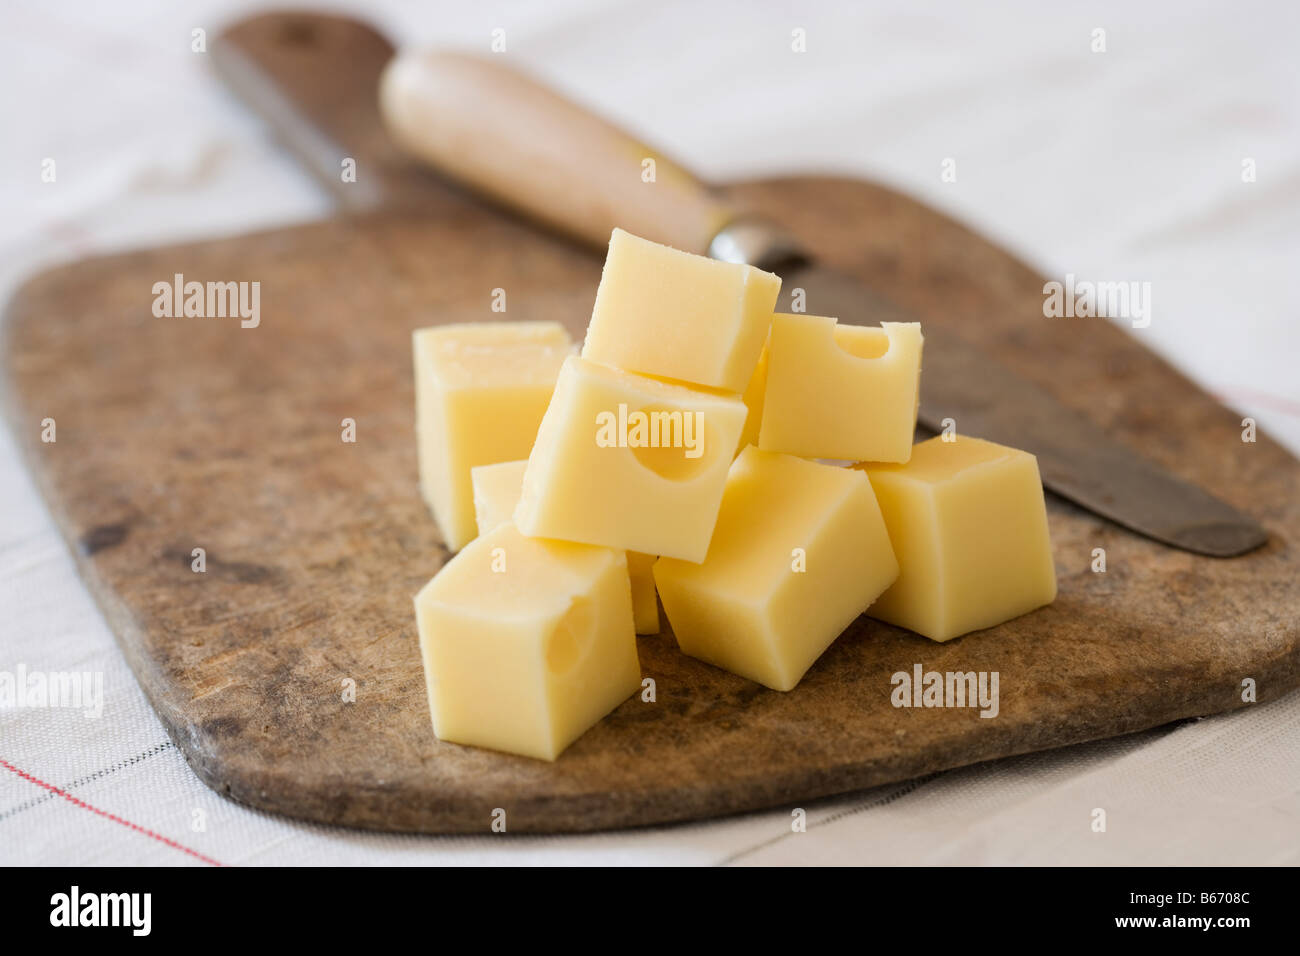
(175, 434)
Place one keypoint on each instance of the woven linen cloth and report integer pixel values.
(1122, 164)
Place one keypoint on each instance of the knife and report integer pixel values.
(505, 135)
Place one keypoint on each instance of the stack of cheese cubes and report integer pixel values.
(753, 471)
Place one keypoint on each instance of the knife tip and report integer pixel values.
(1222, 539)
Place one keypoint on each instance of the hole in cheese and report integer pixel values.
(677, 444)
(863, 343)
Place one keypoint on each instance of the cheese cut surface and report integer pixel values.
(480, 393)
(526, 643)
(753, 399)
(645, 596)
(496, 492)
(799, 551)
(969, 526)
(668, 313)
(629, 462)
(496, 495)
(841, 391)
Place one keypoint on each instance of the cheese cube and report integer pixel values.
(680, 316)
(799, 551)
(496, 494)
(841, 391)
(629, 462)
(969, 526)
(645, 597)
(480, 393)
(753, 399)
(526, 643)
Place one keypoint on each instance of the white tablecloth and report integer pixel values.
(1117, 165)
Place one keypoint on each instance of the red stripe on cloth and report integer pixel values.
(106, 815)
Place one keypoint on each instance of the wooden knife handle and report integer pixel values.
(503, 134)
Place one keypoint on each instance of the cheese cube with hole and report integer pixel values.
(969, 526)
(841, 391)
(629, 462)
(799, 551)
(526, 643)
(496, 494)
(753, 398)
(680, 316)
(480, 393)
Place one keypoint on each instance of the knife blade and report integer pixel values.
(507, 136)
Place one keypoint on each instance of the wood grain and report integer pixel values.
(182, 433)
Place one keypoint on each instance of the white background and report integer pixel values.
(1122, 165)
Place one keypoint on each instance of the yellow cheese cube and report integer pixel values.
(629, 462)
(480, 393)
(753, 399)
(645, 598)
(969, 526)
(526, 643)
(680, 316)
(799, 551)
(841, 391)
(496, 494)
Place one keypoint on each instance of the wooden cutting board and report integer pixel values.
(176, 434)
